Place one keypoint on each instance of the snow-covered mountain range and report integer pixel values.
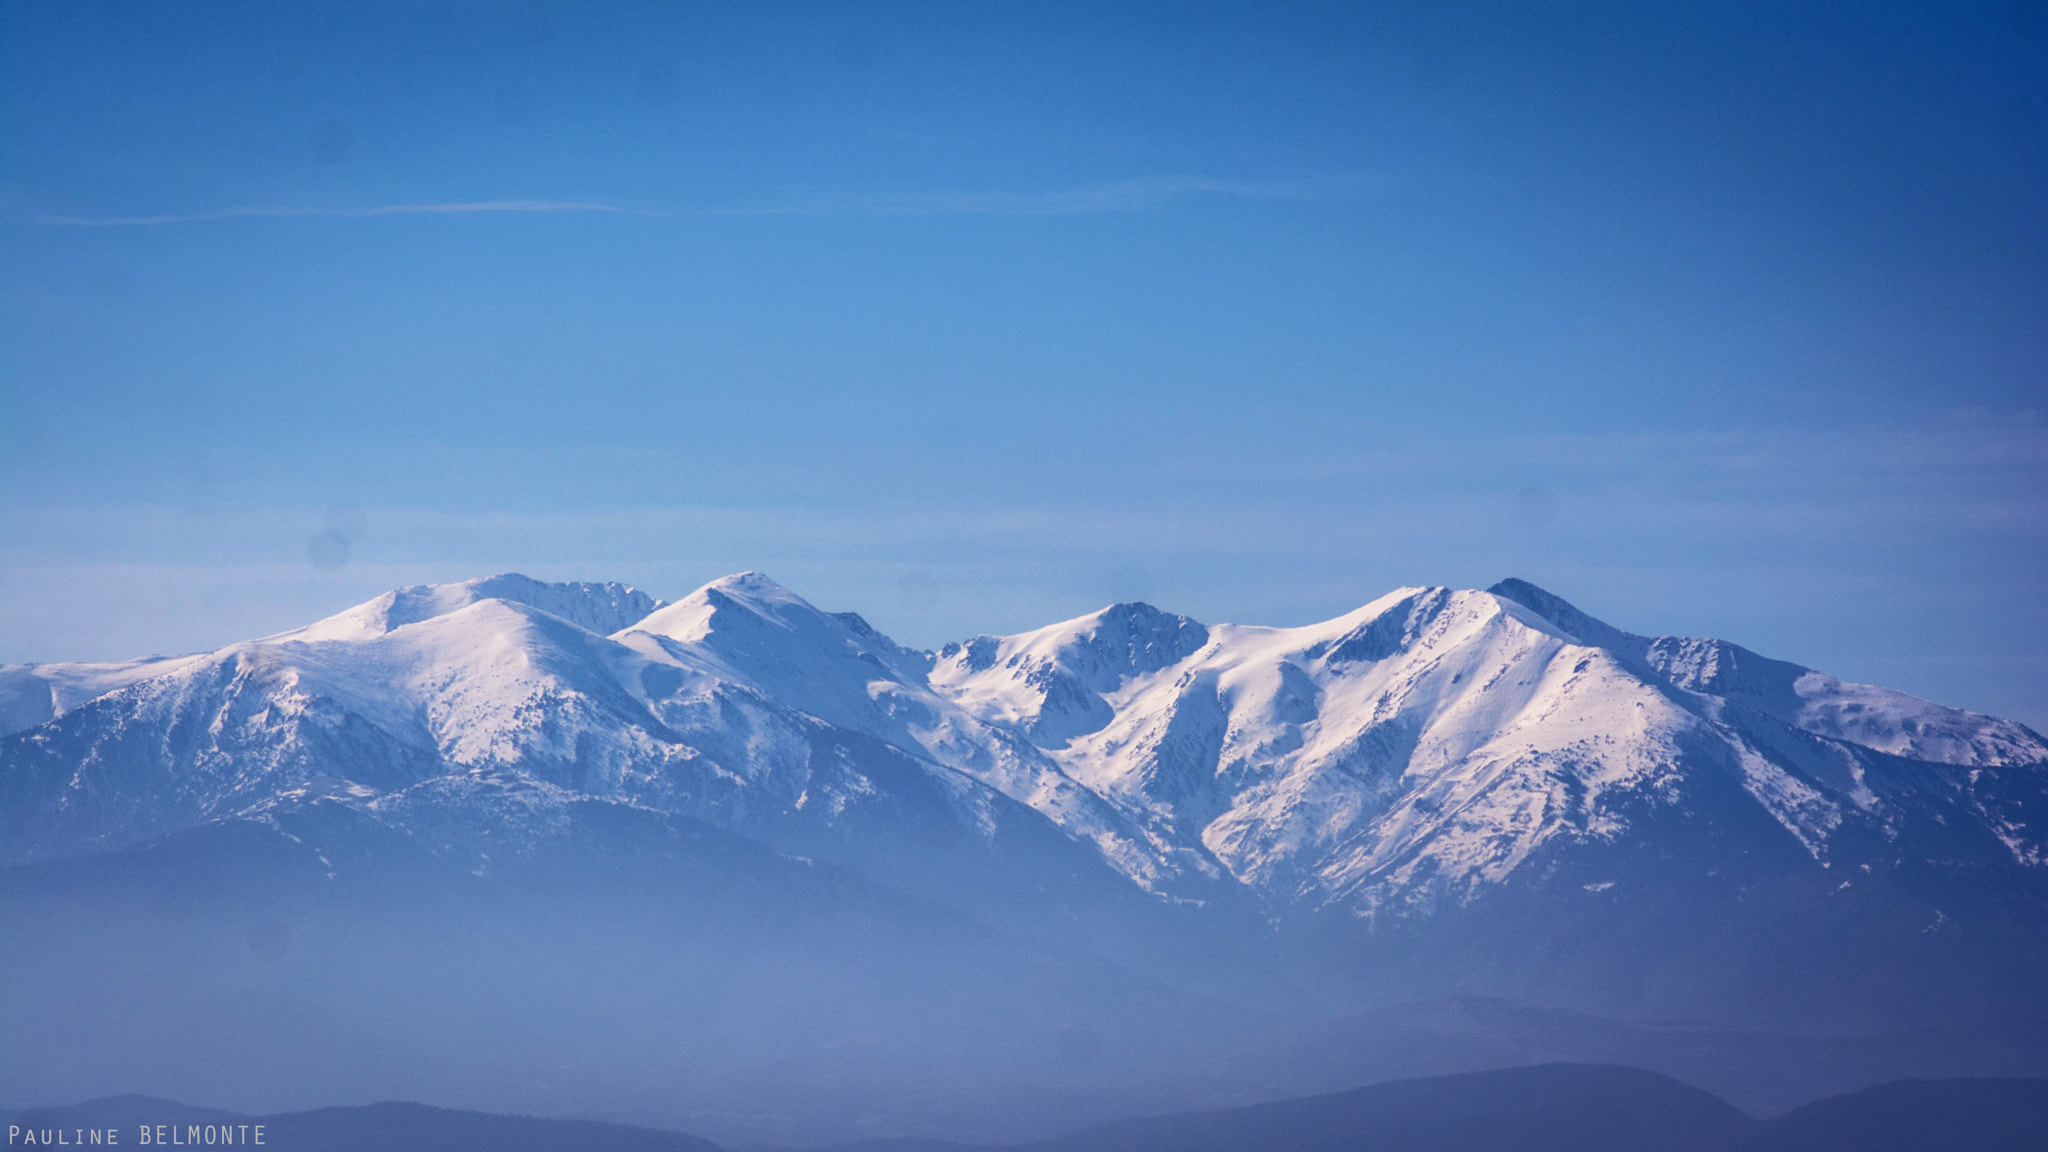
(1408, 760)
(744, 821)
(1409, 753)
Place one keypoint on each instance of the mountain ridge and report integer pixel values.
(1076, 720)
(1359, 793)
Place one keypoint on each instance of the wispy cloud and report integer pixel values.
(374, 210)
(1112, 196)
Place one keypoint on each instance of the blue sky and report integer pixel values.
(1718, 319)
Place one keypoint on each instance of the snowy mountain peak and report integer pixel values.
(1567, 618)
(1053, 681)
(602, 608)
(754, 630)
(1879, 718)
(743, 594)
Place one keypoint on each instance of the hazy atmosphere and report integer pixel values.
(1725, 319)
(1176, 577)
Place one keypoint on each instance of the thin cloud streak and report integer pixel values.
(376, 210)
(1114, 196)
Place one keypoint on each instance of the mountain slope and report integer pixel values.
(33, 693)
(1877, 718)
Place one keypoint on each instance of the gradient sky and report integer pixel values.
(1723, 319)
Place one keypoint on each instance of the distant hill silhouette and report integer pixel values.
(372, 1128)
(1909, 1115)
(1574, 1108)
(1550, 1108)
(1545, 1108)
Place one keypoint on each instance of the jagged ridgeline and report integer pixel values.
(578, 836)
